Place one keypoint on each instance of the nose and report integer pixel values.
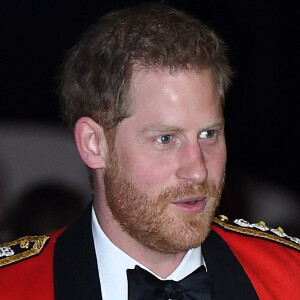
(192, 166)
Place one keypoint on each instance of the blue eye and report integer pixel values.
(164, 139)
(207, 134)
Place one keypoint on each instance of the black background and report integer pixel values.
(262, 108)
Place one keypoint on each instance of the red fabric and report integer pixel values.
(273, 269)
(15, 284)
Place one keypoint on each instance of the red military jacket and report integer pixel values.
(269, 257)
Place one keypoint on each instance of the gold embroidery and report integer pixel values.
(24, 244)
(280, 230)
(278, 234)
(262, 223)
(32, 245)
(223, 218)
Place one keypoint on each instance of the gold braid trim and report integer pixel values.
(25, 247)
(222, 221)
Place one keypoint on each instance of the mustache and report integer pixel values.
(204, 189)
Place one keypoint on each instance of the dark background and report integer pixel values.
(262, 108)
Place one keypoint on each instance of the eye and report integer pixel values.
(207, 134)
(164, 139)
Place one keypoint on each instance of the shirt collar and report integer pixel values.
(113, 263)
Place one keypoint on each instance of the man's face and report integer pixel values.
(166, 172)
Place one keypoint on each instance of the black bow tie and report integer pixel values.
(144, 286)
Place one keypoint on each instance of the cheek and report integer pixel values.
(148, 172)
(216, 163)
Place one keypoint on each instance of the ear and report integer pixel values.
(91, 143)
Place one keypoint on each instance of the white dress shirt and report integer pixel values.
(113, 263)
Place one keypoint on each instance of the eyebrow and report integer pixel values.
(218, 122)
(160, 127)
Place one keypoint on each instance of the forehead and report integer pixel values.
(156, 88)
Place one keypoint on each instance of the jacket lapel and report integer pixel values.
(75, 268)
(229, 278)
(76, 276)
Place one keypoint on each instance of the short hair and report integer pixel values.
(98, 70)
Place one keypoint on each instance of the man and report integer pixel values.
(144, 90)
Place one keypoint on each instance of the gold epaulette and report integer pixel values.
(260, 230)
(21, 248)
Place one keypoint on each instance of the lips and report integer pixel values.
(191, 204)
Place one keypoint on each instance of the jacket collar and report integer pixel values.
(76, 273)
(230, 281)
(75, 268)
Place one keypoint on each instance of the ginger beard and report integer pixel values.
(151, 221)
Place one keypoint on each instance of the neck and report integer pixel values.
(162, 264)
